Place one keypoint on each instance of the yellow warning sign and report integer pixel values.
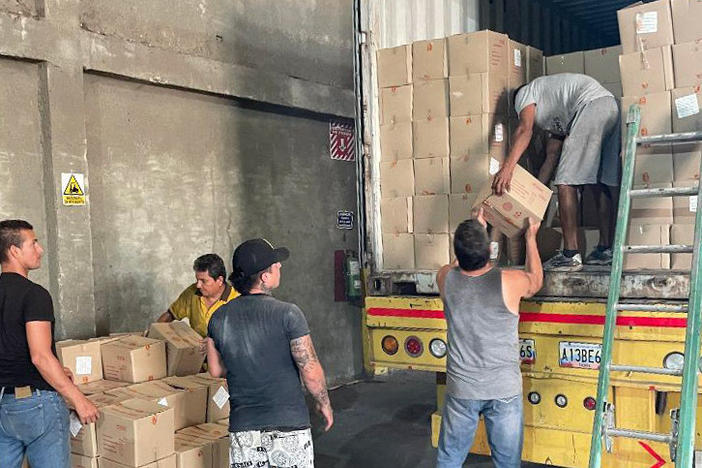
(72, 188)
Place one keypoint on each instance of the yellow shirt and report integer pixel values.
(191, 304)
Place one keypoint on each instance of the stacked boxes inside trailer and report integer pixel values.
(156, 409)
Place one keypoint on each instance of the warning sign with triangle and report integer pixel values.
(72, 188)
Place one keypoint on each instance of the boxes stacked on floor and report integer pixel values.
(661, 70)
(148, 419)
(443, 130)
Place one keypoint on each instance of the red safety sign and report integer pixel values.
(341, 142)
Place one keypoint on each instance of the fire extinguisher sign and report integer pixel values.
(341, 142)
(344, 219)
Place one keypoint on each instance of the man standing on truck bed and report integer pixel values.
(33, 384)
(263, 347)
(582, 118)
(483, 377)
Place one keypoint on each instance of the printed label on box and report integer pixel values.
(494, 166)
(646, 22)
(517, 58)
(221, 397)
(687, 106)
(494, 250)
(84, 365)
(163, 402)
(75, 426)
(693, 204)
(499, 133)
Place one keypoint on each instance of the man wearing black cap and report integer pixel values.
(263, 347)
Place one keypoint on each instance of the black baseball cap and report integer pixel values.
(256, 255)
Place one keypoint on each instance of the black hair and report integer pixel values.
(244, 284)
(471, 245)
(212, 264)
(11, 234)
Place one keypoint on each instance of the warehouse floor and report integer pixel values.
(383, 422)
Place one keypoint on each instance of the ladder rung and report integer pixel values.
(657, 249)
(653, 307)
(630, 434)
(645, 370)
(685, 137)
(663, 192)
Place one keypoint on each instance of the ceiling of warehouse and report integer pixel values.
(596, 16)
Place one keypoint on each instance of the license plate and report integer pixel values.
(580, 355)
(527, 351)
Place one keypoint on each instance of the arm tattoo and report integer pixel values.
(303, 351)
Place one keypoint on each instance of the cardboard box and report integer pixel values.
(396, 141)
(517, 57)
(478, 93)
(189, 408)
(647, 72)
(217, 435)
(645, 26)
(217, 396)
(82, 357)
(652, 210)
(182, 347)
(653, 169)
(687, 62)
(535, 63)
(135, 432)
(686, 105)
(223, 422)
(431, 251)
(470, 173)
(573, 62)
(134, 359)
(429, 60)
(655, 120)
(681, 234)
(396, 215)
(686, 164)
(479, 134)
(167, 462)
(686, 20)
(430, 99)
(100, 386)
(394, 66)
(431, 138)
(398, 251)
(192, 452)
(615, 88)
(397, 178)
(396, 104)
(684, 208)
(478, 52)
(603, 64)
(510, 212)
(647, 234)
(430, 214)
(80, 461)
(431, 176)
(460, 206)
(85, 442)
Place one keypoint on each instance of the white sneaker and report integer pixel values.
(562, 263)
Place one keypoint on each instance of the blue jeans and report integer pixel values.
(504, 422)
(37, 426)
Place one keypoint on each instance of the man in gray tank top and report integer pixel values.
(481, 304)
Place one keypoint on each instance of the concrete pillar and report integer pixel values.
(65, 150)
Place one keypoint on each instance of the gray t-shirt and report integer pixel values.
(252, 334)
(558, 99)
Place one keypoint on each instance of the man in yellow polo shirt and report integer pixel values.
(200, 300)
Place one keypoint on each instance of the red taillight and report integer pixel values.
(589, 403)
(413, 346)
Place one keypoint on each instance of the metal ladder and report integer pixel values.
(682, 437)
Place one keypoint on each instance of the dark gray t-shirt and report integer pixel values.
(252, 334)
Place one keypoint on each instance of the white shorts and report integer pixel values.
(271, 449)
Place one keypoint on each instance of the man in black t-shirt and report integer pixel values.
(263, 347)
(32, 382)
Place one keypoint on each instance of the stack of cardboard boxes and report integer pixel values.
(156, 410)
(661, 69)
(444, 130)
(601, 64)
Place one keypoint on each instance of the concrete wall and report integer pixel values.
(198, 124)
